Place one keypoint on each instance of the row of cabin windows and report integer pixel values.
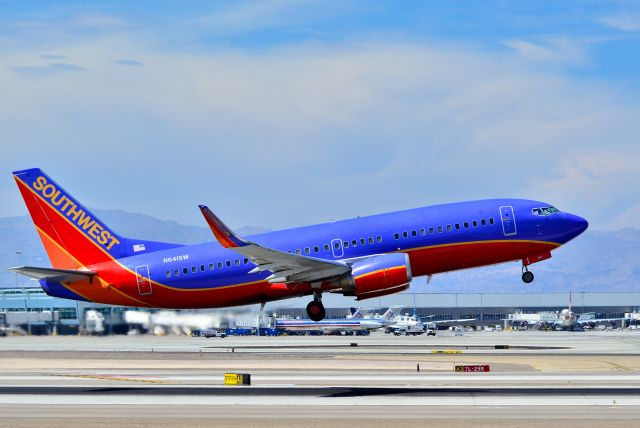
(440, 229)
(203, 268)
(336, 245)
(307, 250)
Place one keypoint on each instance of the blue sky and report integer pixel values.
(282, 113)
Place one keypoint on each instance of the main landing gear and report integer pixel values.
(315, 308)
(527, 276)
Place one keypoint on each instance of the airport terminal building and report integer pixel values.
(36, 312)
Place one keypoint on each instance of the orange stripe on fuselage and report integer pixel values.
(121, 281)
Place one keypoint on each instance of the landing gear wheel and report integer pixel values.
(315, 310)
(527, 277)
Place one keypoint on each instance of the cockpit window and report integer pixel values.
(545, 211)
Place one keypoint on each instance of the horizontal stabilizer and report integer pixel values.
(57, 275)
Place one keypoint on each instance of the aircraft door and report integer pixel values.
(143, 279)
(336, 248)
(508, 221)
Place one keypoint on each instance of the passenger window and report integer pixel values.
(194, 269)
(354, 243)
(219, 265)
(246, 261)
(405, 234)
(466, 225)
(210, 266)
(475, 223)
(362, 241)
(448, 228)
(237, 262)
(316, 249)
(176, 272)
(439, 229)
(414, 233)
(228, 263)
(491, 221)
(484, 222)
(431, 230)
(423, 232)
(396, 236)
(202, 269)
(457, 226)
(345, 244)
(298, 252)
(307, 250)
(379, 238)
(371, 240)
(185, 271)
(168, 274)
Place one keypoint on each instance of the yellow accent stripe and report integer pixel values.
(123, 266)
(555, 244)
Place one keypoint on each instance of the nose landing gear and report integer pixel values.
(527, 276)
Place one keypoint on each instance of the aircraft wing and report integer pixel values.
(597, 320)
(454, 321)
(58, 275)
(285, 267)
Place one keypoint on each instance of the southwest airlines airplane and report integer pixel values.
(363, 257)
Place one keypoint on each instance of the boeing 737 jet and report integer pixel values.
(363, 257)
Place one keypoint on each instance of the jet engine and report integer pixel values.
(377, 276)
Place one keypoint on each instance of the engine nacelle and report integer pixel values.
(378, 276)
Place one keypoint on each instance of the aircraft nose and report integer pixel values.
(576, 224)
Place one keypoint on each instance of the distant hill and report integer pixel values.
(596, 261)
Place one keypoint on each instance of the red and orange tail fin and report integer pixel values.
(72, 236)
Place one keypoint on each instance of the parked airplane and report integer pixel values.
(568, 320)
(363, 257)
(356, 322)
(329, 325)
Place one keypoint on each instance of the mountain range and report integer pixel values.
(595, 261)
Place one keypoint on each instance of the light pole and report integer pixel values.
(481, 312)
(24, 293)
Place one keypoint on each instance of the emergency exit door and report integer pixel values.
(142, 276)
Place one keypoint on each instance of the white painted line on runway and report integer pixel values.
(464, 399)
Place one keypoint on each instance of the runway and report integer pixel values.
(589, 378)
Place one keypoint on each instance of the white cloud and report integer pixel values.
(624, 21)
(551, 50)
(297, 134)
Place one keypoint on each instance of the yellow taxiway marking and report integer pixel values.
(116, 378)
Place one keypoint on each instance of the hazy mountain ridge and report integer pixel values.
(595, 261)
